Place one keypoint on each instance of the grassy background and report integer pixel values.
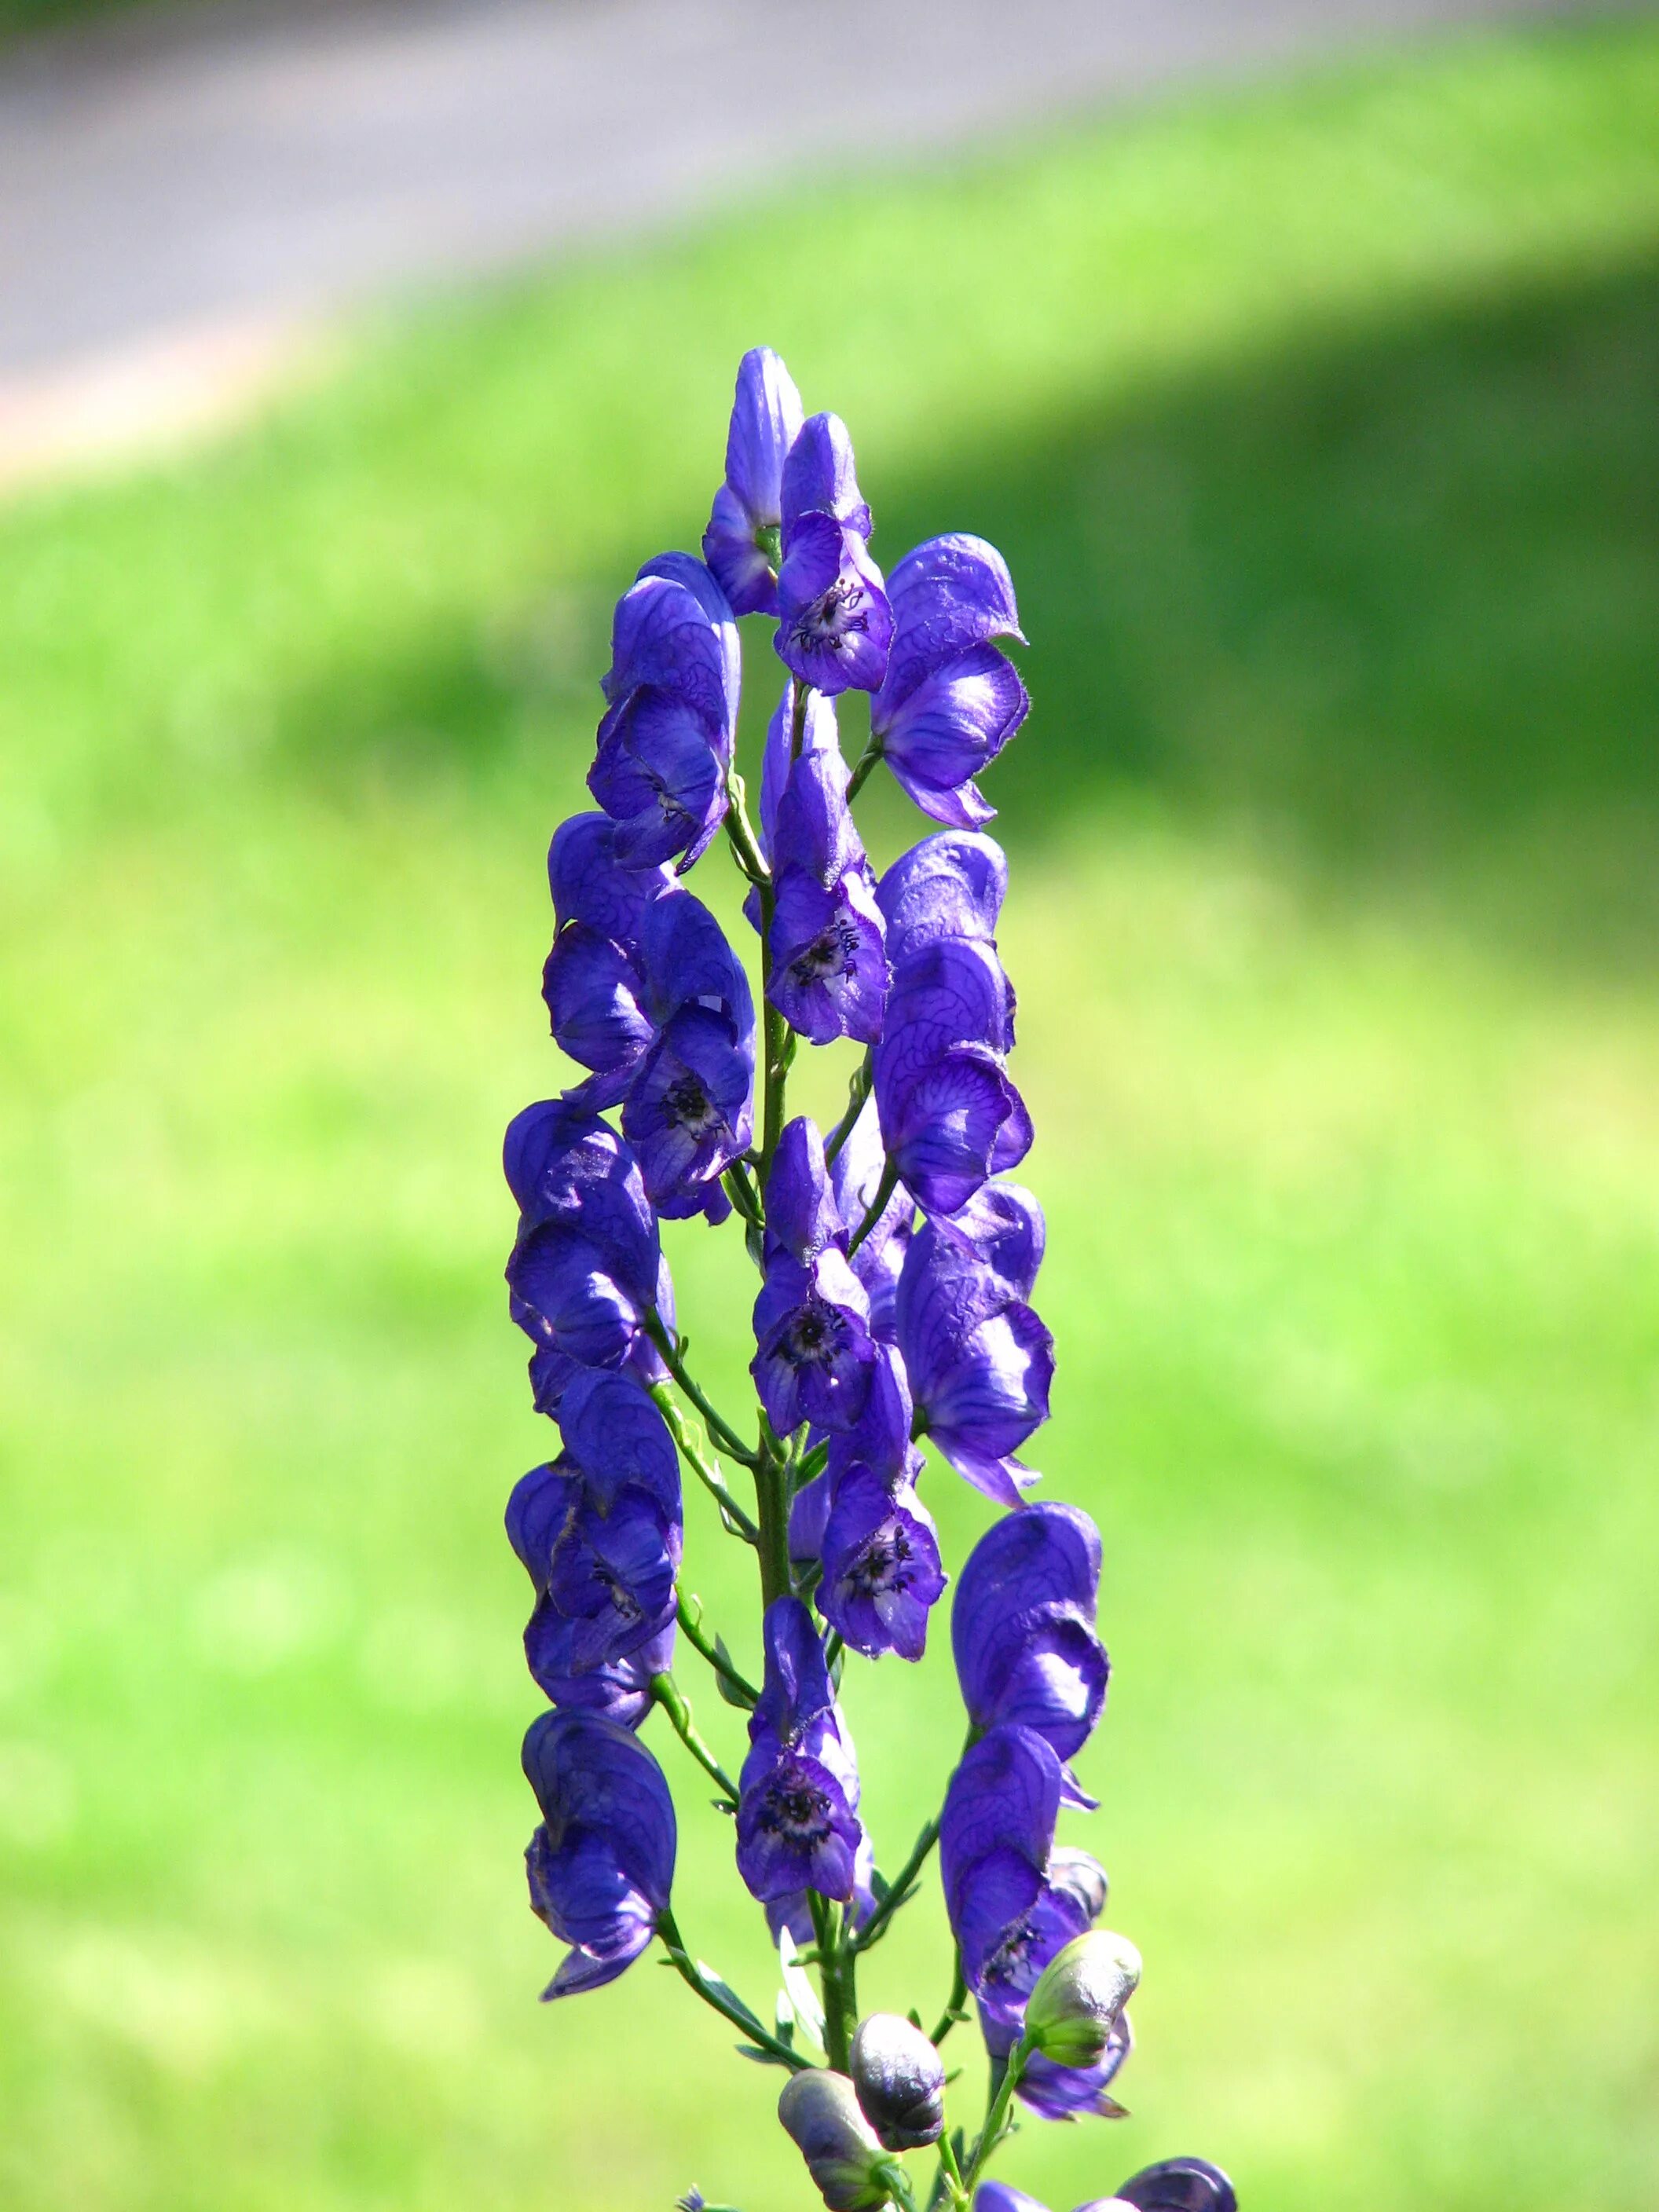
(1319, 426)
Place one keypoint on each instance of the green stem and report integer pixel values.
(951, 2172)
(729, 2009)
(858, 1090)
(867, 760)
(740, 834)
(668, 1694)
(956, 2007)
(772, 1502)
(876, 1926)
(839, 2018)
(710, 1477)
(1004, 2079)
(697, 1636)
(877, 1207)
(722, 1431)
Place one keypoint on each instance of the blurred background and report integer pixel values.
(1303, 361)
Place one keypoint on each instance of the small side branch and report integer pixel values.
(668, 1694)
(858, 1090)
(877, 1925)
(691, 1627)
(724, 2001)
(722, 1431)
(877, 1207)
(708, 1474)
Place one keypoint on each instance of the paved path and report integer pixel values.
(179, 203)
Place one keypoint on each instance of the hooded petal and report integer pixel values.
(673, 628)
(766, 420)
(949, 595)
(1004, 1798)
(590, 883)
(614, 1433)
(592, 989)
(951, 885)
(819, 478)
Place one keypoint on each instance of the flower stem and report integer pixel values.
(722, 1431)
(835, 1977)
(858, 1090)
(956, 2006)
(668, 1694)
(1004, 2079)
(691, 1620)
(724, 2001)
(877, 1207)
(772, 1502)
(877, 1925)
(861, 767)
(951, 2174)
(709, 1476)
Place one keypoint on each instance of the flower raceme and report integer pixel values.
(898, 1266)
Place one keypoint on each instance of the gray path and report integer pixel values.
(173, 206)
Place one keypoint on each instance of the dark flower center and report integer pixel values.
(884, 1563)
(831, 619)
(797, 1811)
(688, 1107)
(832, 952)
(815, 1336)
(1011, 1963)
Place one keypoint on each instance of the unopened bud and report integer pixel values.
(820, 2113)
(1075, 2006)
(1175, 2185)
(899, 2078)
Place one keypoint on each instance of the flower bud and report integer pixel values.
(820, 2112)
(899, 2078)
(1075, 2006)
(1177, 2184)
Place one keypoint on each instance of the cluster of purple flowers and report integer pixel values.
(897, 1262)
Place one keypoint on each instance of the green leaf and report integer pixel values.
(724, 1656)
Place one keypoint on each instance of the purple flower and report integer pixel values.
(665, 743)
(950, 701)
(618, 1690)
(1009, 1949)
(591, 981)
(834, 624)
(996, 1833)
(818, 735)
(997, 2196)
(797, 1823)
(740, 543)
(949, 1115)
(598, 1533)
(1023, 1626)
(660, 774)
(689, 1110)
(979, 1359)
(815, 1354)
(881, 1564)
(586, 1264)
(601, 1864)
(826, 964)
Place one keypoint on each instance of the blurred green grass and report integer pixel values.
(1318, 426)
